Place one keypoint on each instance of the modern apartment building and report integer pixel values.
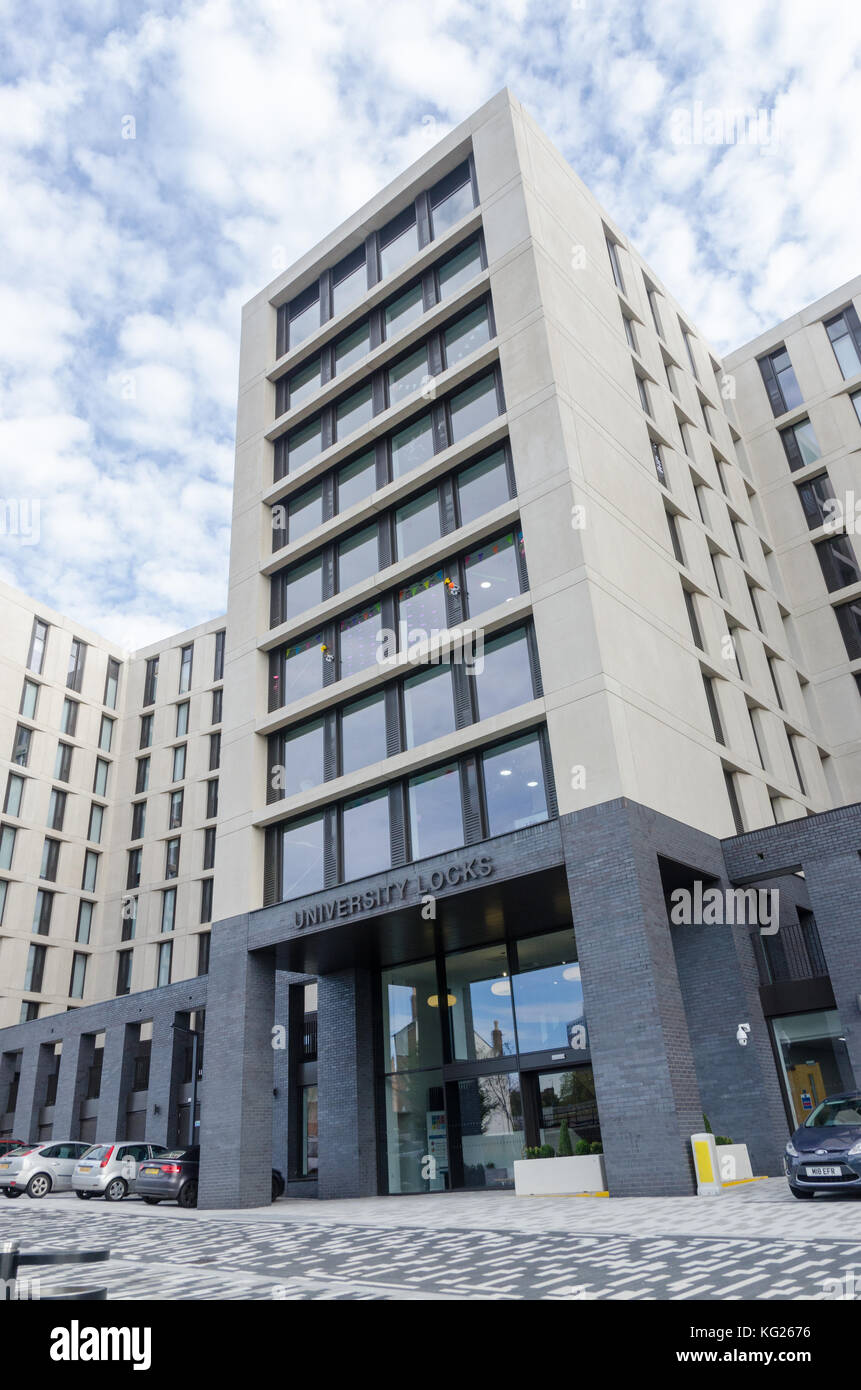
(521, 638)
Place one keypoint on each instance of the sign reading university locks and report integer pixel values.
(397, 892)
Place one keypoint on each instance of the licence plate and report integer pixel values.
(5, 1165)
(822, 1172)
(152, 1172)
(82, 1169)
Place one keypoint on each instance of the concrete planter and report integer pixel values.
(548, 1177)
(734, 1162)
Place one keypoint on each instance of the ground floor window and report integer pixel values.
(309, 1130)
(814, 1059)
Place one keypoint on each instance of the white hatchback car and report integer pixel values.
(38, 1169)
(111, 1170)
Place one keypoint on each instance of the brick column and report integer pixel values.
(37, 1062)
(163, 1091)
(76, 1060)
(345, 1085)
(117, 1070)
(236, 1113)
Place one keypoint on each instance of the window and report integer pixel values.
(407, 376)
(300, 760)
(652, 296)
(658, 460)
(203, 941)
(29, 1011)
(77, 657)
(358, 557)
(503, 675)
(14, 795)
(97, 816)
(689, 350)
(106, 733)
(613, 253)
(436, 814)
(514, 785)
(643, 392)
(354, 412)
(206, 900)
(800, 444)
(7, 845)
(303, 588)
(217, 704)
(302, 857)
(133, 874)
(85, 922)
(186, 657)
(692, 619)
(38, 642)
(459, 269)
(124, 972)
(714, 712)
(139, 819)
(21, 746)
(466, 335)
(352, 347)
(29, 700)
(50, 859)
(151, 680)
(165, 960)
(91, 868)
(100, 778)
(417, 523)
(492, 573)
(844, 332)
(399, 242)
(473, 408)
(35, 969)
(56, 809)
(296, 671)
(412, 446)
(735, 807)
(848, 616)
(142, 776)
(42, 912)
(629, 333)
(209, 847)
(363, 733)
(349, 282)
(69, 717)
(780, 381)
(422, 609)
(481, 487)
(815, 496)
(299, 386)
(837, 559)
(212, 798)
(356, 481)
(303, 316)
(855, 398)
(168, 910)
(772, 671)
(358, 643)
(366, 842)
(178, 769)
(63, 762)
(428, 705)
(182, 719)
(451, 200)
(218, 668)
(112, 681)
(214, 751)
(737, 537)
(4, 892)
(78, 976)
(146, 731)
(171, 859)
(174, 818)
(792, 740)
(754, 603)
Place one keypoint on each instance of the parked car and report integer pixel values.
(111, 1170)
(174, 1178)
(7, 1144)
(38, 1169)
(824, 1154)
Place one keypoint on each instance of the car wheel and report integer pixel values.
(39, 1185)
(84, 1196)
(152, 1201)
(115, 1190)
(188, 1195)
(802, 1194)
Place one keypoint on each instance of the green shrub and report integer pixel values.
(597, 1147)
(722, 1139)
(564, 1150)
(581, 1148)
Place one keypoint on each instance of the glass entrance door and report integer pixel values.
(486, 1129)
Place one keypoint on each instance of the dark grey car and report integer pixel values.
(824, 1154)
(173, 1176)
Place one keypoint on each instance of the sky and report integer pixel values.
(160, 163)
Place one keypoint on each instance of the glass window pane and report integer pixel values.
(805, 437)
(304, 512)
(482, 487)
(28, 699)
(359, 644)
(548, 995)
(502, 675)
(304, 587)
(416, 1132)
(354, 412)
(302, 759)
(491, 1128)
(352, 348)
(358, 558)
(814, 1059)
(467, 335)
(309, 1130)
(492, 573)
(449, 210)
(363, 733)
(404, 310)
(408, 376)
(304, 445)
(302, 857)
(417, 523)
(514, 785)
(479, 1001)
(473, 408)
(459, 270)
(569, 1096)
(304, 383)
(421, 609)
(357, 480)
(367, 845)
(412, 446)
(844, 351)
(412, 1034)
(303, 324)
(398, 251)
(436, 815)
(349, 290)
(428, 705)
(303, 669)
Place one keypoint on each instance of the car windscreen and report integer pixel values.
(845, 1110)
(97, 1151)
(175, 1153)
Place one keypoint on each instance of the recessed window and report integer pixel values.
(358, 557)
(97, 816)
(467, 335)
(304, 513)
(212, 798)
(815, 496)
(299, 671)
(844, 332)
(142, 775)
(182, 719)
(352, 348)
(33, 976)
(459, 270)
(355, 411)
(780, 381)
(168, 909)
(428, 705)
(78, 975)
(139, 819)
(417, 523)
(838, 562)
(42, 913)
(422, 610)
(171, 859)
(613, 253)
(481, 487)
(848, 616)
(800, 444)
(304, 444)
(57, 809)
(151, 680)
(178, 771)
(412, 446)
(302, 857)
(473, 408)
(7, 845)
(133, 872)
(165, 964)
(14, 795)
(714, 712)
(303, 587)
(436, 814)
(503, 674)
(356, 481)
(492, 573)
(217, 703)
(63, 762)
(124, 972)
(358, 642)
(214, 751)
(514, 785)
(186, 657)
(399, 242)
(367, 842)
(100, 777)
(29, 700)
(84, 923)
(643, 392)
(21, 746)
(407, 376)
(299, 386)
(205, 903)
(218, 658)
(175, 807)
(363, 733)
(403, 311)
(38, 642)
(451, 200)
(77, 658)
(349, 282)
(304, 316)
(112, 681)
(209, 847)
(69, 716)
(106, 733)
(301, 760)
(91, 868)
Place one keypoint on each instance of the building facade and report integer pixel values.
(521, 640)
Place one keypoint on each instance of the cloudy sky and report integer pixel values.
(257, 125)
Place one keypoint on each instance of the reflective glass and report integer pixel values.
(303, 445)
(356, 481)
(359, 645)
(482, 487)
(367, 843)
(436, 815)
(349, 290)
(302, 757)
(302, 857)
(514, 785)
(303, 384)
(422, 610)
(548, 995)
(408, 376)
(358, 558)
(303, 669)
(417, 523)
(473, 408)
(492, 575)
(363, 733)
(352, 348)
(416, 1132)
(354, 412)
(404, 310)
(491, 1129)
(303, 324)
(569, 1096)
(467, 335)
(412, 1035)
(459, 270)
(412, 446)
(303, 587)
(449, 210)
(428, 705)
(304, 512)
(398, 251)
(481, 1018)
(502, 674)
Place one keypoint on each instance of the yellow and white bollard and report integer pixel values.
(706, 1165)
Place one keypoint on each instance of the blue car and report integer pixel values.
(824, 1154)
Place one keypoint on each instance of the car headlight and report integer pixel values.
(792, 1150)
(855, 1151)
